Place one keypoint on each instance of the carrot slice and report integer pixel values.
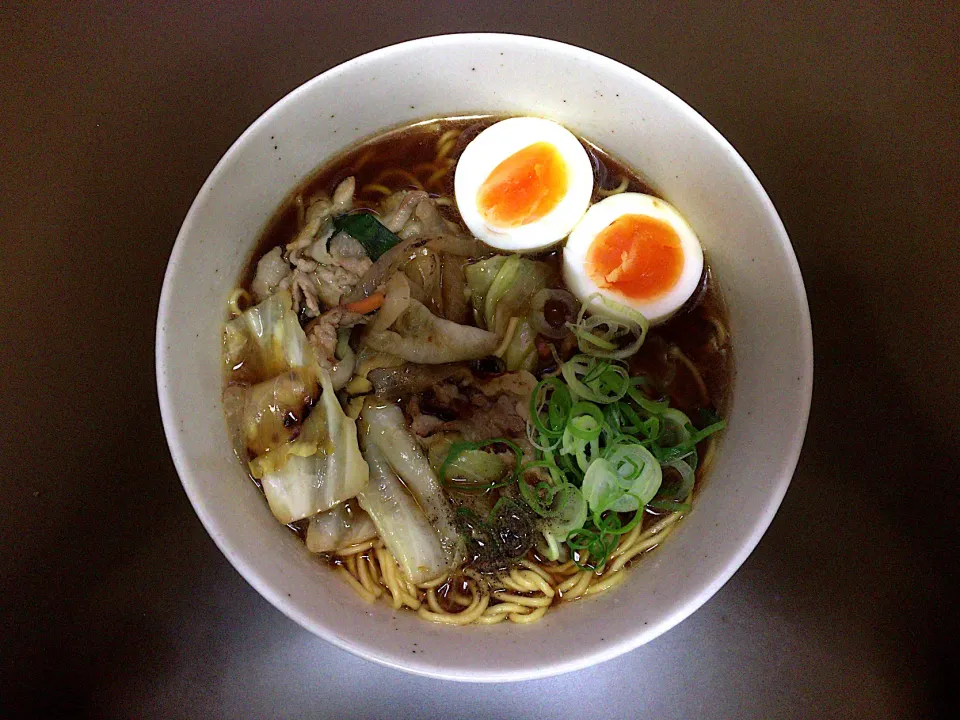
(366, 305)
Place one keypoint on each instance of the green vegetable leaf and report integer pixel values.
(368, 231)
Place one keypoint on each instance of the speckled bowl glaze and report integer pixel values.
(636, 120)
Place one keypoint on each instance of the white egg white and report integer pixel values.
(497, 143)
(600, 216)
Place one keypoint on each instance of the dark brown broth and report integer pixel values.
(403, 149)
(693, 329)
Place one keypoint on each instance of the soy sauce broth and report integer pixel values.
(407, 158)
(699, 329)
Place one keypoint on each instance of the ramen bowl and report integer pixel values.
(629, 115)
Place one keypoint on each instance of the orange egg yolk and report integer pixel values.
(525, 187)
(636, 256)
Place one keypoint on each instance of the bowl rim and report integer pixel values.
(421, 667)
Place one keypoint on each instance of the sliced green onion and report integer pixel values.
(550, 405)
(603, 441)
(588, 338)
(601, 487)
(571, 511)
(634, 463)
(540, 497)
(603, 336)
(679, 424)
(675, 491)
(637, 394)
(698, 436)
(591, 547)
(586, 421)
(551, 550)
(624, 480)
(611, 524)
(598, 381)
(688, 447)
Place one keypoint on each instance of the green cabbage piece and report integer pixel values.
(420, 336)
(264, 341)
(515, 280)
(265, 417)
(318, 470)
(480, 276)
(339, 527)
(521, 353)
(400, 523)
(387, 431)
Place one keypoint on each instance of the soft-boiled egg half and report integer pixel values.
(523, 183)
(637, 251)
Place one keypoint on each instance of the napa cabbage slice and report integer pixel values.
(318, 470)
(339, 527)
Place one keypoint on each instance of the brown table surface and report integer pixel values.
(115, 603)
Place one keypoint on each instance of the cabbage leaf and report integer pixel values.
(521, 353)
(386, 434)
(419, 336)
(480, 276)
(264, 417)
(515, 280)
(339, 527)
(319, 469)
(400, 522)
(265, 341)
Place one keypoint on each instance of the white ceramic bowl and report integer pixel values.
(636, 120)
